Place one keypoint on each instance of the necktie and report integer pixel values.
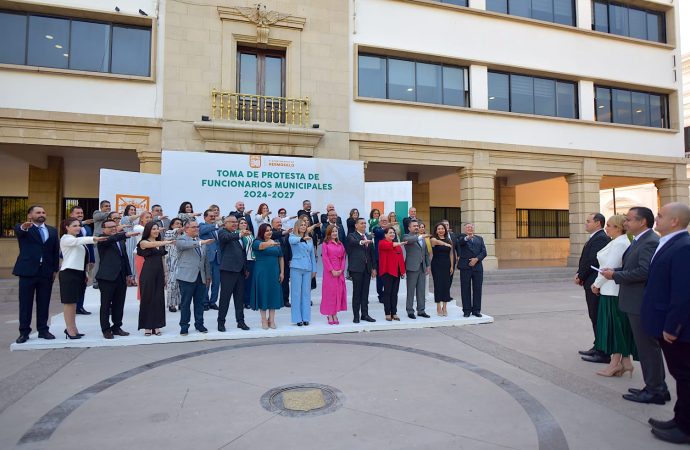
(198, 250)
(44, 233)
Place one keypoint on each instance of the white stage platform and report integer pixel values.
(90, 326)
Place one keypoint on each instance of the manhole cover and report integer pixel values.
(302, 400)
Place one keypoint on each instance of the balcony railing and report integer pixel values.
(259, 108)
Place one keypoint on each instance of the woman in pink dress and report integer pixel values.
(333, 293)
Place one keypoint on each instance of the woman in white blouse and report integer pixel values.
(263, 216)
(75, 258)
(614, 336)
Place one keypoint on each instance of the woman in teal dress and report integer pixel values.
(267, 293)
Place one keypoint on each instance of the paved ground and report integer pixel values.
(517, 383)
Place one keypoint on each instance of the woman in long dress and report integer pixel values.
(442, 264)
(333, 291)
(152, 285)
(172, 288)
(614, 335)
(269, 270)
(144, 219)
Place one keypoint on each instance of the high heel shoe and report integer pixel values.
(69, 336)
(264, 324)
(272, 324)
(612, 371)
(628, 369)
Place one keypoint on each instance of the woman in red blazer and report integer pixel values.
(391, 269)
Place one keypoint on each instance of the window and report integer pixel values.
(65, 43)
(89, 205)
(261, 74)
(542, 223)
(631, 107)
(687, 140)
(624, 20)
(413, 81)
(556, 11)
(12, 212)
(532, 95)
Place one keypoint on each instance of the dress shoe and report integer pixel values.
(287, 305)
(184, 332)
(674, 435)
(645, 397)
(172, 309)
(355, 320)
(411, 316)
(246, 307)
(206, 307)
(202, 329)
(368, 318)
(597, 358)
(108, 334)
(46, 335)
(666, 394)
(476, 314)
(299, 324)
(83, 312)
(213, 306)
(423, 314)
(591, 352)
(306, 324)
(95, 286)
(242, 326)
(120, 332)
(22, 338)
(466, 314)
(662, 424)
(221, 328)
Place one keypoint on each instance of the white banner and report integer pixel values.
(387, 197)
(223, 179)
(122, 188)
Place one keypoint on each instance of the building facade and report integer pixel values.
(509, 114)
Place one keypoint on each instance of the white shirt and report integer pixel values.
(664, 239)
(637, 238)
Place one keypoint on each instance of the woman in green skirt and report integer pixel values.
(614, 336)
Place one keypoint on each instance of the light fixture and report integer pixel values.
(66, 55)
(600, 106)
(637, 111)
(492, 98)
(58, 46)
(410, 89)
(49, 36)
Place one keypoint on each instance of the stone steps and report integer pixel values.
(529, 276)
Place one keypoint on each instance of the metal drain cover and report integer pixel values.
(297, 400)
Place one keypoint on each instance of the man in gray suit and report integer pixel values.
(632, 278)
(193, 275)
(416, 266)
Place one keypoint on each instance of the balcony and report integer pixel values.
(258, 124)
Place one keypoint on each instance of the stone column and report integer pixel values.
(45, 189)
(505, 210)
(584, 199)
(149, 161)
(676, 188)
(477, 200)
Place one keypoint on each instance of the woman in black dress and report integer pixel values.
(352, 220)
(152, 280)
(442, 265)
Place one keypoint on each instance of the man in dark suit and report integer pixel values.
(665, 313)
(114, 273)
(412, 215)
(632, 278)
(232, 270)
(282, 236)
(333, 219)
(471, 251)
(362, 263)
(313, 220)
(585, 276)
(37, 264)
(240, 213)
(77, 212)
(209, 230)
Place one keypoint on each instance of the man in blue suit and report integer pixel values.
(471, 251)
(37, 265)
(209, 230)
(666, 313)
(77, 212)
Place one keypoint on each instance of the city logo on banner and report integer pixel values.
(140, 202)
(255, 161)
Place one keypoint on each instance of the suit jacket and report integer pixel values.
(213, 250)
(467, 250)
(632, 277)
(162, 223)
(89, 247)
(113, 261)
(302, 254)
(588, 258)
(341, 231)
(313, 218)
(32, 250)
(246, 217)
(98, 219)
(416, 255)
(74, 251)
(360, 258)
(666, 302)
(406, 225)
(233, 256)
(190, 262)
(391, 259)
(284, 240)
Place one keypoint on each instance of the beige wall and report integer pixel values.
(14, 181)
(445, 191)
(547, 194)
(532, 249)
(82, 174)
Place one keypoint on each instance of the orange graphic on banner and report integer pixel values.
(140, 202)
(379, 206)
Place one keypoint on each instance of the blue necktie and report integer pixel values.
(44, 233)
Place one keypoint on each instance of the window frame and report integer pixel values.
(665, 107)
(261, 55)
(663, 33)
(536, 227)
(573, 6)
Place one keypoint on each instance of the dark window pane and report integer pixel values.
(600, 17)
(657, 111)
(520, 8)
(48, 42)
(655, 27)
(454, 86)
(544, 97)
(500, 6)
(13, 38)
(566, 100)
(274, 76)
(640, 109)
(455, 2)
(429, 83)
(248, 73)
(371, 76)
(637, 21)
(499, 99)
(131, 53)
(89, 46)
(622, 106)
(401, 80)
(564, 12)
(618, 20)
(603, 102)
(542, 10)
(521, 94)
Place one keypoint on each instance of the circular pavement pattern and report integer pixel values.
(297, 400)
